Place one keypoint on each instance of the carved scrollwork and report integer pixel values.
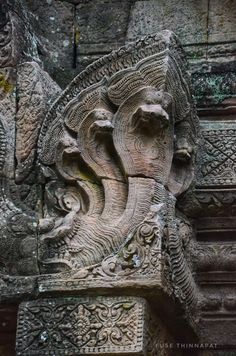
(139, 255)
(81, 325)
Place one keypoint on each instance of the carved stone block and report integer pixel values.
(217, 158)
(82, 326)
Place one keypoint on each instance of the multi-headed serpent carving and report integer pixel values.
(110, 157)
(121, 134)
(104, 168)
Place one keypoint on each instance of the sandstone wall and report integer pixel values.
(71, 34)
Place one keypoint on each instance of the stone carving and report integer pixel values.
(91, 189)
(218, 154)
(82, 326)
(208, 202)
(36, 91)
(8, 55)
(157, 253)
(211, 304)
(88, 195)
(113, 153)
(25, 94)
(141, 253)
(111, 143)
(18, 239)
(214, 257)
(91, 325)
(18, 235)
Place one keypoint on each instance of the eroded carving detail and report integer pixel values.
(36, 91)
(218, 155)
(141, 253)
(210, 202)
(210, 304)
(214, 257)
(111, 158)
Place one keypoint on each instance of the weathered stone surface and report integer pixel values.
(9, 55)
(114, 151)
(18, 224)
(103, 22)
(218, 302)
(209, 202)
(53, 25)
(80, 33)
(214, 82)
(36, 92)
(18, 241)
(110, 223)
(116, 169)
(187, 18)
(14, 289)
(18, 229)
(214, 192)
(222, 17)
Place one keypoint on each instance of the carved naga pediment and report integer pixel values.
(115, 149)
(106, 164)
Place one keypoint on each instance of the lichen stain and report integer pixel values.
(5, 84)
(77, 36)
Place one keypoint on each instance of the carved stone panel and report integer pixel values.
(217, 157)
(82, 326)
(103, 326)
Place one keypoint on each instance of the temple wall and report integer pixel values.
(206, 28)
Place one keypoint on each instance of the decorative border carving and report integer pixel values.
(207, 257)
(217, 157)
(75, 326)
(210, 202)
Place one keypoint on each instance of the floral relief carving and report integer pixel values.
(218, 155)
(79, 325)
